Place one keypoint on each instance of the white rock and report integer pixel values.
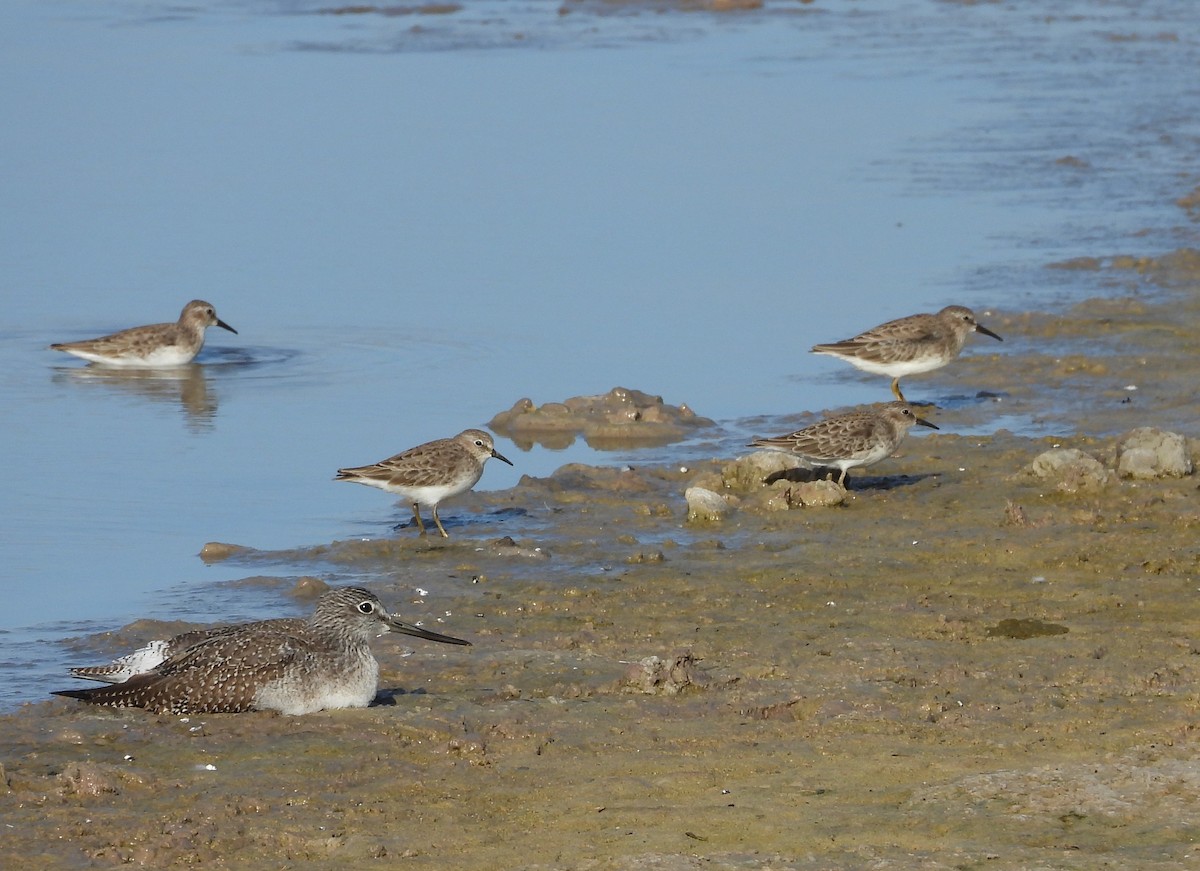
(705, 504)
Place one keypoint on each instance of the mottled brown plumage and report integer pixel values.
(430, 473)
(291, 666)
(906, 346)
(859, 438)
(156, 652)
(153, 345)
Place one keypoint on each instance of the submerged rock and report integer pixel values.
(614, 420)
(217, 551)
(1147, 452)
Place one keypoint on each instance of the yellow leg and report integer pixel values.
(417, 514)
(438, 521)
(896, 390)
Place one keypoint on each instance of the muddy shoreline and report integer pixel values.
(808, 688)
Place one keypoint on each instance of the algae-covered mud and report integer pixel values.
(984, 656)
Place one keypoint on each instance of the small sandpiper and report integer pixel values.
(430, 473)
(154, 345)
(906, 346)
(290, 665)
(859, 438)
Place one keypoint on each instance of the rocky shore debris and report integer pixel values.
(762, 481)
(616, 420)
(656, 676)
(1143, 453)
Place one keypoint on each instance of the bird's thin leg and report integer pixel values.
(896, 390)
(417, 514)
(438, 521)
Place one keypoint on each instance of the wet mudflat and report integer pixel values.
(964, 665)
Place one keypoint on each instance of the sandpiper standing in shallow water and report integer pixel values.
(906, 346)
(154, 345)
(430, 473)
(291, 666)
(859, 438)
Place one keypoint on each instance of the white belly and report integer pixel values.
(353, 688)
(170, 355)
(896, 369)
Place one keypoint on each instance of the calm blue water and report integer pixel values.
(413, 228)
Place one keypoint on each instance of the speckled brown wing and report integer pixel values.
(829, 440)
(422, 466)
(145, 658)
(154, 654)
(139, 339)
(898, 341)
(221, 674)
(233, 667)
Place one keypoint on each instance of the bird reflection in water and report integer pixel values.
(188, 386)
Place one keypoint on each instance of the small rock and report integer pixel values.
(751, 471)
(1147, 452)
(1072, 470)
(308, 588)
(90, 779)
(216, 551)
(508, 547)
(660, 677)
(705, 504)
(816, 494)
(642, 558)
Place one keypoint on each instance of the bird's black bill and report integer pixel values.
(221, 323)
(499, 456)
(987, 332)
(923, 422)
(417, 632)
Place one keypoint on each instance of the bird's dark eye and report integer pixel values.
(479, 443)
(366, 607)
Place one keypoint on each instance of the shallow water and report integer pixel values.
(411, 229)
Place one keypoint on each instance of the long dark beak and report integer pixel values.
(221, 323)
(980, 328)
(923, 422)
(416, 631)
(499, 456)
